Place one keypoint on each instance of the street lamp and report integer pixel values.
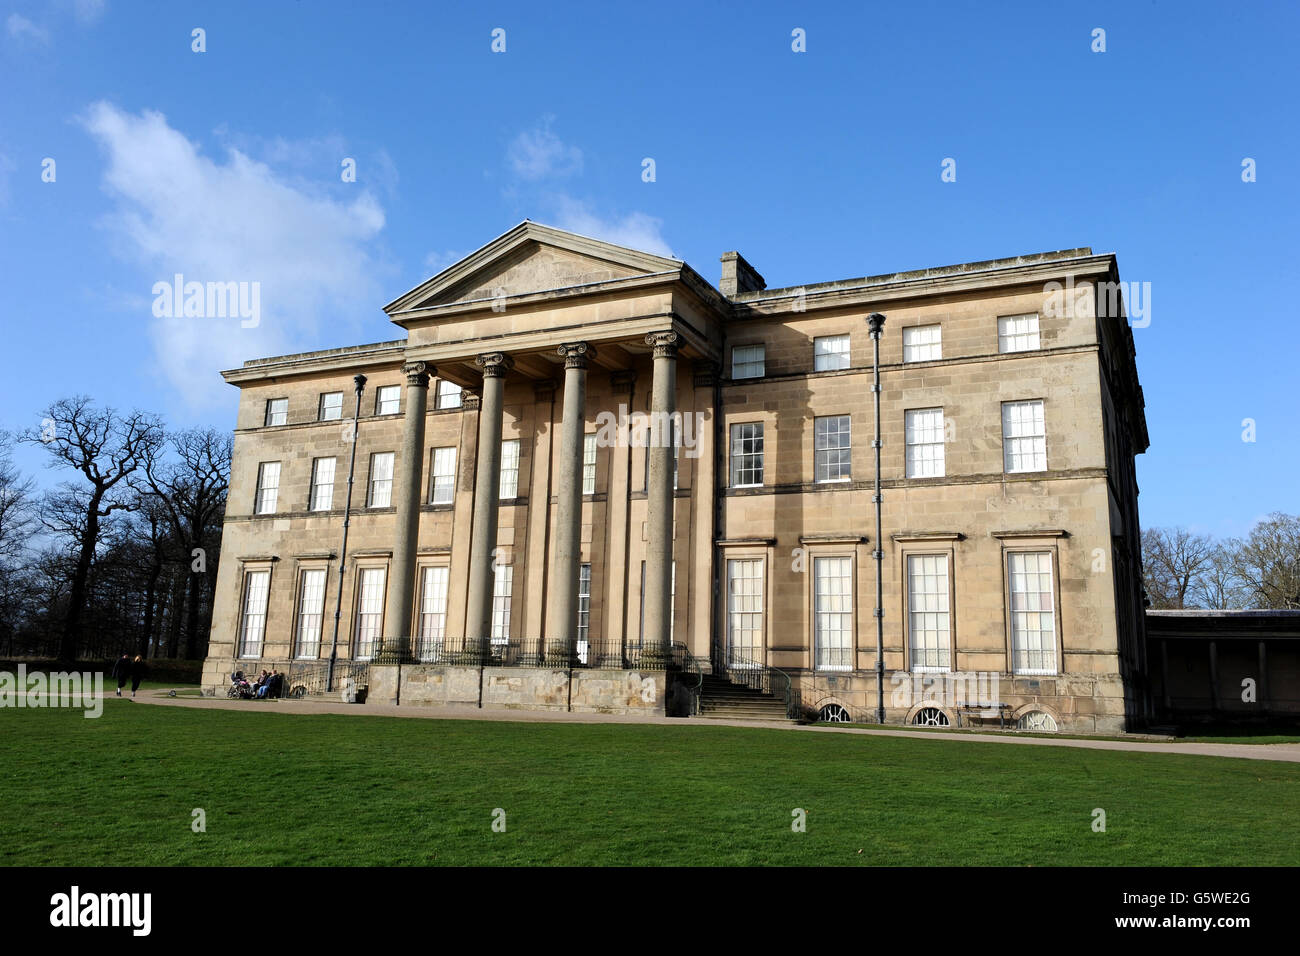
(360, 382)
(876, 324)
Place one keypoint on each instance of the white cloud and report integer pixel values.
(178, 211)
(539, 154)
(435, 262)
(20, 28)
(636, 230)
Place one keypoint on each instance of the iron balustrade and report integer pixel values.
(759, 677)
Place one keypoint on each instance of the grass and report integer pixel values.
(289, 789)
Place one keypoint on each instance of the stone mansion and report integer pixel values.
(587, 479)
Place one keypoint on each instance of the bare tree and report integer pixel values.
(106, 449)
(17, 521)
(1218, 585)
(1172, 562)
(1268, 562)
(191, 495)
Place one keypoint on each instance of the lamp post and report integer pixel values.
(360, 382)
(876, 323)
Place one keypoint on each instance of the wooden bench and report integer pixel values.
(984, 710)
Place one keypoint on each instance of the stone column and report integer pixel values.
(659, 497)
(562, 623)
(487, 496)
(400, 601)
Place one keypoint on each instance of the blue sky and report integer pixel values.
(816, 166)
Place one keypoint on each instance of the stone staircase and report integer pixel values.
(720, 699)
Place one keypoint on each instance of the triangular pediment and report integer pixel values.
(531, 258)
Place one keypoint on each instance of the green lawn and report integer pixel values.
(284, 789)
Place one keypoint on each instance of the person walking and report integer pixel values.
(122, 670)
(138, 670)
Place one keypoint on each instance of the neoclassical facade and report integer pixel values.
(587, 479)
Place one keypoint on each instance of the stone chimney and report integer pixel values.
(739, 276)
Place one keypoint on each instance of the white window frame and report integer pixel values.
(589, 464)
(449, 395)
(833, 612)
(252, 617)
(923, 343)
(311, 613)
(826, 471)
(923, 436)
(1018, 333)
(746, 609)
(1024, 437)
(379, 489)
(1033, 649)
(321, 495)
(372, 583)
(277, 412)
(503, 583)
(584, 611)
(325, 407)
(431, 629)
(442, 476)
(509, 480)
(388, 400)
(749, 361)
(741, 460)
(830, 352)
(268, 492)
(929, 611)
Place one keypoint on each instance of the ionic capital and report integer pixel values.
(663, 344)
(417, 373)
(576, 354)
(494, 364)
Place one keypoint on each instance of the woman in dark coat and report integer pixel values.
(138, 670)
(122, 670)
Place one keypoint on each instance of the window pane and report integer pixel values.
(256, 589)
(502, 586)
(589, 464)
(833, 613)
(747, 361)
(449, 394)
(746, 454)
(277, 411)
(388, 400)
(830, 352)
(268, 488)
(924, 437)
(927, 607)
(311, 612)
(1024, 436)
(381, 479)
(584, 610)
(832, 453)
(443, 485)
(1017, 333)
(1033, 614)
(745, 611)
(509, 487)
(921, 343)
(370, 610)
(433, 613)
(331, 406)
(322, 484)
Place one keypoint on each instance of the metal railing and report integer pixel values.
(311, 678)
(530, 652)
(685, 662)
(760, 677)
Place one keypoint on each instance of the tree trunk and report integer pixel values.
(174, 622)
(150, 599)
(71, 641)
(195, 582)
